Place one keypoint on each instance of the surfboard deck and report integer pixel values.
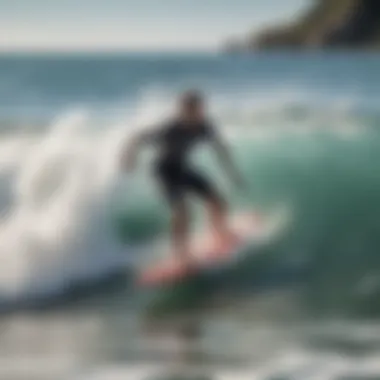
(206, 254)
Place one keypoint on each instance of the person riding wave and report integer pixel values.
(174, 141)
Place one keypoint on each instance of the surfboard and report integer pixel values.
(248, 228)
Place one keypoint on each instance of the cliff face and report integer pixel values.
(329, 23)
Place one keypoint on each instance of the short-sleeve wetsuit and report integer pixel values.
(175, 140)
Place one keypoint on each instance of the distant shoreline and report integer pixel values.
(152, 55)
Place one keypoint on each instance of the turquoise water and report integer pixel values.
(304, 131)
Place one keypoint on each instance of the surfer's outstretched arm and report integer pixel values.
(132, 149)
(225, 158)
(130, 152)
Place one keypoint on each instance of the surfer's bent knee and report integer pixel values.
(216, 201)
(179, 209)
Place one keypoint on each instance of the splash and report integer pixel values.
(55, 228)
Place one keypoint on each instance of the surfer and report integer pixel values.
(174, 141)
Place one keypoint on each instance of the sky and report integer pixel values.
(61, 25)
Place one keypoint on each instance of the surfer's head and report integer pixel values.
(192, 106)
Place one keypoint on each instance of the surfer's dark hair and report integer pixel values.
(192, 99)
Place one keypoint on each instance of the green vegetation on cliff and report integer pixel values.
(327, 23)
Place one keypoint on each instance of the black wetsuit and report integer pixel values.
(174, 141)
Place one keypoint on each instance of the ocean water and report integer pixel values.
(304, 130)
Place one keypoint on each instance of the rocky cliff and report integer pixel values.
(328, 23)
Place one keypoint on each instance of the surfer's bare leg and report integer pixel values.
(219, 221)
(180, 230)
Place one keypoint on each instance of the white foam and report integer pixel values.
(56, 227)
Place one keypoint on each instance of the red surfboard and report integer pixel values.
(247, 229)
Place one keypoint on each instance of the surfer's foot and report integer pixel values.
(184, 260)
(224, 243)
(187, 264)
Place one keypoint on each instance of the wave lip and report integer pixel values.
(55, 230)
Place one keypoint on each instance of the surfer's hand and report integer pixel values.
(240, 183)
(130, 164)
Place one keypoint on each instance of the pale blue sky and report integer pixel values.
(134, 24)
